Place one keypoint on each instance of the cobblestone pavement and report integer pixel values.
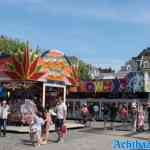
(94, 138)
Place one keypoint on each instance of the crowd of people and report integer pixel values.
(38, 120)
(133, 114)
(89, 114)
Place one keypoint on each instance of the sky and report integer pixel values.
(105, 33)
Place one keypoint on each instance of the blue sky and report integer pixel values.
(102, 32)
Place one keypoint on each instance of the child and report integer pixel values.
(37, 126)
(140, 119)
(48, 122)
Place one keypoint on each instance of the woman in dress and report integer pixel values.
(140, 119)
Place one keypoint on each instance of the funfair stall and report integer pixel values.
(40, 80)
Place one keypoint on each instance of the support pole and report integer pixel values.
(43, 99)
(64, 94)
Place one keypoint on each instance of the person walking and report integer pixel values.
(124, 115)
(113, 114)
(61, 114)
(105, 110)
(148, 111)
(47, 122)
(93, 114)
(85, 113)
(4, 111)
(96, 111)
(140, 118)
(28, 112)
(134, 115)
(1, 120)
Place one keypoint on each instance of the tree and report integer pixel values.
(84, 71)
(9, 46)
(80, 70)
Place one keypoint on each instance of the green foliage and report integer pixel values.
(83, 72)
(10, 46)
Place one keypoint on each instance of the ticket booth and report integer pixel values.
(50, 93)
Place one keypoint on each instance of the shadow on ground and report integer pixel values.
(26, 142)
(98, 130)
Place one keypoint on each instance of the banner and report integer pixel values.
(82, 87)
(135, 82)
(115, 85)
(90, 86)
(123, 85)
(98, 86)
(107, 85)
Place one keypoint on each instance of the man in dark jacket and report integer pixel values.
(113, 113)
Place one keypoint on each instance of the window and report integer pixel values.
(146, 64)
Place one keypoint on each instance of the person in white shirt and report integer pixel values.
(61, 113)
(28, 109)
(4, 111)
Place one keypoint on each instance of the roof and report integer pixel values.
(3, 61)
